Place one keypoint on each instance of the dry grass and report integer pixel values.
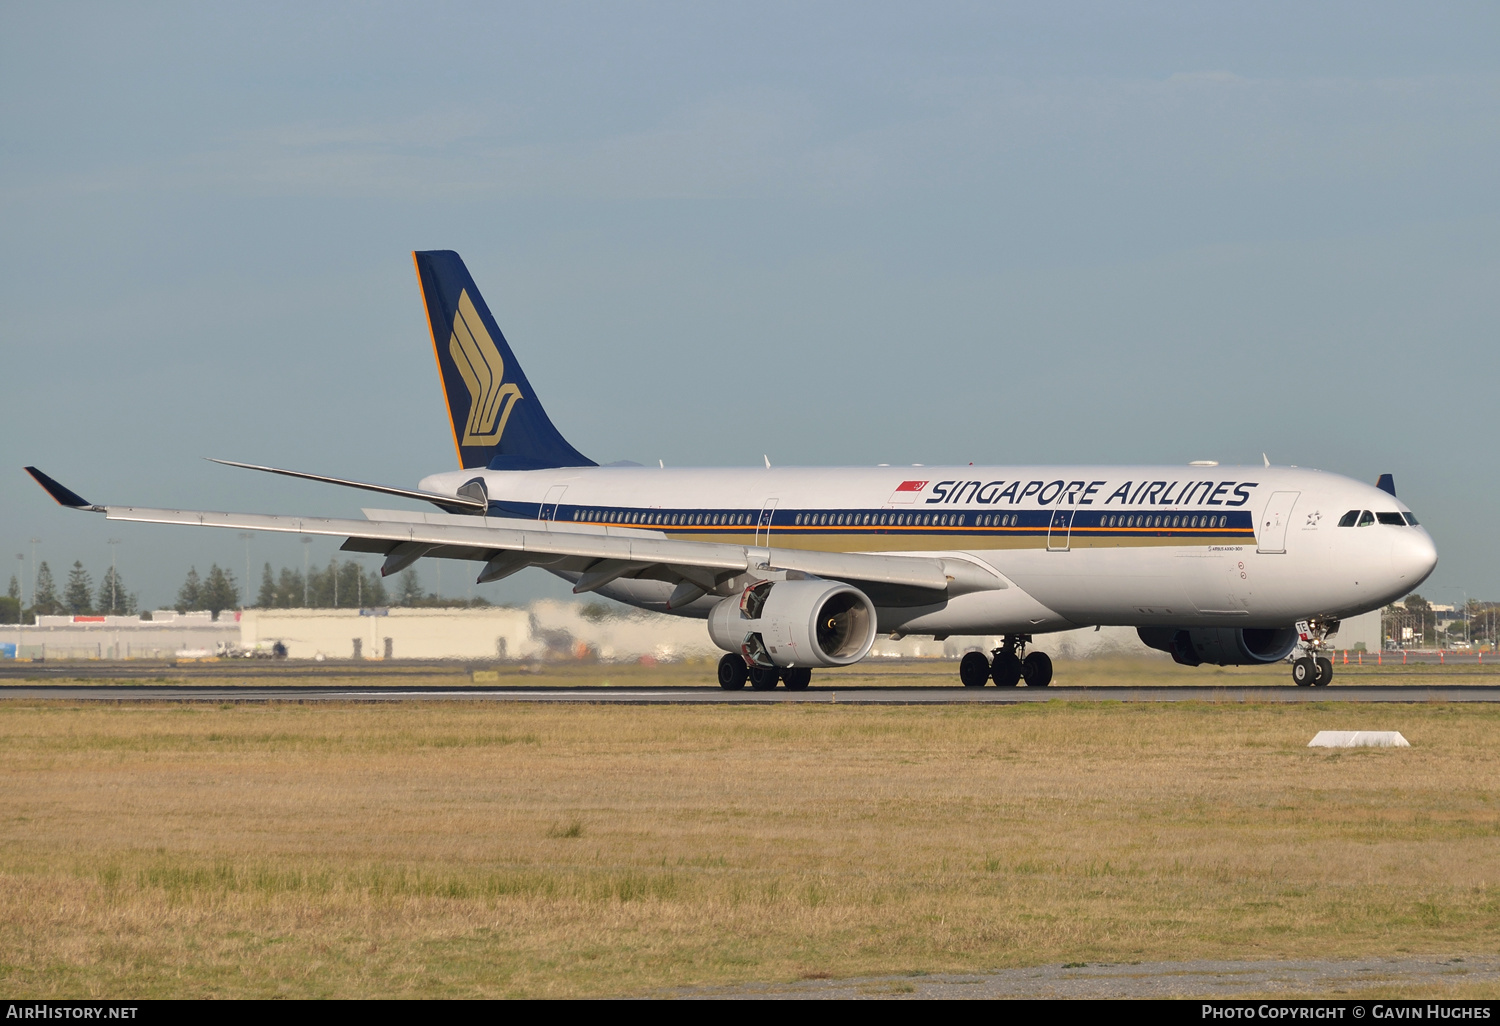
(480, 850)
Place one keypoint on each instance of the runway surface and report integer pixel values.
(718, 696)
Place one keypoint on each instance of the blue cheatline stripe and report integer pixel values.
(1090, 523)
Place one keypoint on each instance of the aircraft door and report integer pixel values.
(763, 524)
(1060, 528)
(1271, 533)
(548, 511)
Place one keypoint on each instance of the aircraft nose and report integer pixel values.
(1413, 557)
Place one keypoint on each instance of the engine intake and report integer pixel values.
(796, 623)
(1222, 646)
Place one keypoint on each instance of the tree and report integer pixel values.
(1419, 617)
(114, 600)
(44, 600)
(374, 589)
(10, 605)
(219, 592)
(321, 586)
(289, 589)
(190, 595)
(267, 597)
(411, 588)
(79, 595)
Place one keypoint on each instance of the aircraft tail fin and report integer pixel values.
(498, 423)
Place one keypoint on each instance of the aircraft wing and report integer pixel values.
(601, 555)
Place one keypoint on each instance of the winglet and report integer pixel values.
(64, 496)
(1387, 483)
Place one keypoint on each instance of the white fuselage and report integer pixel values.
(1078, 546)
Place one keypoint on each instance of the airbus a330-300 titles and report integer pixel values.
(797, 568)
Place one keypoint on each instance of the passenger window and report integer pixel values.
(1393, 519)
(1366, 518)
(1349, 518)
(1411, 519)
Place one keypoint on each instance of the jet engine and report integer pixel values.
(795, 623)
(1222, 646)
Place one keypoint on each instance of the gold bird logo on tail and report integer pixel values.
(479, 363)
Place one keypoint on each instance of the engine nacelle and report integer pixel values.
(795, 623)
(1222, 646)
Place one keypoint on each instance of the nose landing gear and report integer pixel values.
(1309, 669)
(1008, 668)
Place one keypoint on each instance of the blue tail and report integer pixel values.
(497, 421)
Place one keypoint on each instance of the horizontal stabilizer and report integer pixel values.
(451, 503)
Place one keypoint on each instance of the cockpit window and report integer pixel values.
(1348, 519)
(1366, 518)
(1411, 518)
(1394, 519)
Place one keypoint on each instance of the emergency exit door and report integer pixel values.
(1270, 533)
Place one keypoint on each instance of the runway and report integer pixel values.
(718, 696)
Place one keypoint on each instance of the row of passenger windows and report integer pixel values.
(1364, 518)
(1164, 521)
(602, 516)
(880, 519)
(609, 516)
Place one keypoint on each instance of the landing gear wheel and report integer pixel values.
(732, 672)
(1325, 672)
(764, 678)
(1006, 670)
(1304, 672)
(974, 670)
(1037, 669)
(797, 678)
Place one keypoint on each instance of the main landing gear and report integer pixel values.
(733, 674)
(1309, 669)
(1008, 668)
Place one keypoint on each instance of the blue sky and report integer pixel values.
(834, 233)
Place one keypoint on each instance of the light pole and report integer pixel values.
(306, 541)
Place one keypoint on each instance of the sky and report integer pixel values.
(831, 233)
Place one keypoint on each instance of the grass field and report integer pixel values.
(487, 850)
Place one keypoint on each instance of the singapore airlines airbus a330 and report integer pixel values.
(796, 568)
